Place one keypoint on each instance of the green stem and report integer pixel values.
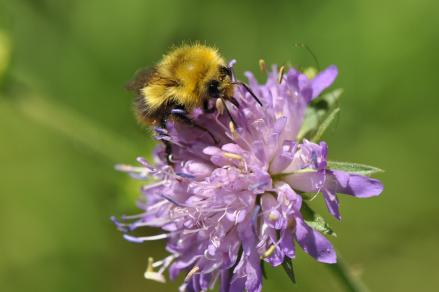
(343, 272)
(77, 128)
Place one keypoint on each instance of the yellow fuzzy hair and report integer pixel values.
(181, 76)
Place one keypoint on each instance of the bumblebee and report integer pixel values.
(187, 77)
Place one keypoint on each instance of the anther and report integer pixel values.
(233, 130)
(273, 216)
(151, 275)
(262, 65)
(232, 156)
(219, 104)
(281, 74)
(191, 273)
(269, 251)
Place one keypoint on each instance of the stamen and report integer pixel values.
(146, 238)
(121, 226)
(129, 168)
(151, 275)
(269, 251)
(172, 200)
(146, 188)
(130, 217)
(164, 262)
(262, 65)
(145, 163)
(219, 104)
(273, 216)
(186, 232)
(232, 156)
(313, 196)
(185, 175)
(233, 130)
(191, 273)
(281, 74)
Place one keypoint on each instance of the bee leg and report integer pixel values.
(168, 145)
(181, 114)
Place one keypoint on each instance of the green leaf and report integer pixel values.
(310, 122)
(331, 98)
(264, 273)
(288, 267)
(317, 112)
(325, 124)
(316, 221)
(354, 168)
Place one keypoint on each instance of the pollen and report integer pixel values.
(151, 275)
(232, 156)
(233, 130)
(273, 216)
(269, 251)
(191, 273)
(281, 74)
(262, 65)
(219, 105)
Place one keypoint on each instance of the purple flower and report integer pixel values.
(226, 206)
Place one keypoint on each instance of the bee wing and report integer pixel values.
(141, 79)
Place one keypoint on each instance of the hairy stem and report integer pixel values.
(345, 275)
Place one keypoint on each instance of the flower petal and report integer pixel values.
(225, 281)
(251, 262)
(323, 80)
(284, 157)
(353, 184)
(198, 169)
(287, 244)
(312, 181)
(331, 202)
(313, 243)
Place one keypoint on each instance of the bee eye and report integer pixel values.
(212, 88)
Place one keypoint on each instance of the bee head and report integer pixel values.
(221, 85)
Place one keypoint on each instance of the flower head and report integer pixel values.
(227, 205)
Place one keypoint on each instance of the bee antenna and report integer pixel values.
(248, 90)
(234, 101)
(228, 112)
(308, 49)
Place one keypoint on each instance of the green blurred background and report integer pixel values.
(66, 120)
